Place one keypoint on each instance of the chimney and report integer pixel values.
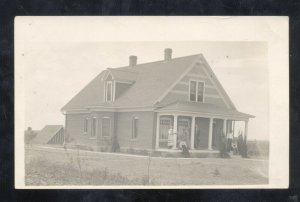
(168, 54)
(132, 60)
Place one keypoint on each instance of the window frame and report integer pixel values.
(109, 130)
(202, 91)
(135, 125)
(85, 125)
(111, 91)
(93, 134)
(197, 87)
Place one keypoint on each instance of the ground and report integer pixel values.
(58, 166)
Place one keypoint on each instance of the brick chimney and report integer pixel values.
(168, 54)
(132, 60)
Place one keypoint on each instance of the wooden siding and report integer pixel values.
(180, 92)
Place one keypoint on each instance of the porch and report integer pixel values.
(199, 125)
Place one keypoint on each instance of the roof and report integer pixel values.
(151, 80)
(205, 108)
(124, 75)
(45, 135)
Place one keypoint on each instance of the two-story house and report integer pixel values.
(137, 104)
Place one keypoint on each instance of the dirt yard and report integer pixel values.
(58, 166)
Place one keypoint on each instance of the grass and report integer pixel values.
(46, 166)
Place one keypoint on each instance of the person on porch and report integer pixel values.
(170, 138)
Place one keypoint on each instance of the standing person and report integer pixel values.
(170, 138)
(240, 143)
(229, 141)
(234, 146)
(223, 142)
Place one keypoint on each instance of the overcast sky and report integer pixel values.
(59, 58)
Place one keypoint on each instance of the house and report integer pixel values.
(50, 134)
(137, 105)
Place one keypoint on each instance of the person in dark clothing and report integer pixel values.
(244, 150)
(240, 143)
(223, 147)
(184, 149)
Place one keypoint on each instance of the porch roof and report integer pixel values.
(197, 107)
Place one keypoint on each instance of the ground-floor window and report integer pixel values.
(135, 122)
(165, 123)
(106, 126)
(94, 127)
(85, 125)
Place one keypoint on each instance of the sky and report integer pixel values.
(59, 58)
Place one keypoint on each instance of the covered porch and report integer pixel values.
(199, 125)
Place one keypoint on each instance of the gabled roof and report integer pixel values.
(45, 135)
(123, 75)
(151, 81)
(204, 108)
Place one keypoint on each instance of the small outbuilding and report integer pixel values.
(50, 134)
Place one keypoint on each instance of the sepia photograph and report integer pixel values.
(139, 102)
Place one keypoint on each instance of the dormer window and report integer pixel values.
(109, 91)
(196, 93)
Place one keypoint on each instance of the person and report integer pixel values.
(175, 139)
(240, 143)
(234, 146)
(184, 149)
(223, 152)
(170, 138)
(229, 141)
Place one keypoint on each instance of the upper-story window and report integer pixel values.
(109, 91)
(196, 91)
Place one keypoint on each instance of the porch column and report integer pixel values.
(175, 128)
(210, 133)
(193, 132)
(225, 127)
(157, 132)
(246, 131)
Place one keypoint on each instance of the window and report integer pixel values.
(106, 127)
(94, 126)
(200, 91)
(85, 125)
(109, 90)
(196, 91)
(135, 122)
(193, 90)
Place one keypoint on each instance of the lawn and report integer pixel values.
(58, 166)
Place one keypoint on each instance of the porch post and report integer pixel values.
(246, 131)
(193, 132)
(210, 133)
(225, 127)
(157, 132)
(175, 128)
